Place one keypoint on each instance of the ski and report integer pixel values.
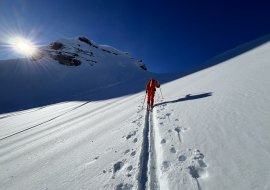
(150, 108)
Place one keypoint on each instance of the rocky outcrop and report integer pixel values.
(84, 52)
(109, 52)
(141, 64)
(77, 51)
(57, 46)
(66, 60)
(87, 41)
(91, 62)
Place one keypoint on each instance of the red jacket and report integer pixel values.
(154, 85)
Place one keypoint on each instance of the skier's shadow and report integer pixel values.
(188, 97)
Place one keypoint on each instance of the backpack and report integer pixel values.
(152, 84)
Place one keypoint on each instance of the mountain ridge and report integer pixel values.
(76, 51)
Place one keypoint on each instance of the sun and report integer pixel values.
(24, 46)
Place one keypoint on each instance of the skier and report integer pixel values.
(150, 90)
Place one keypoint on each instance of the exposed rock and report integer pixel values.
(141, 64)
(56, 45)
(143, 67)
(87, 41)
(66, 60)
(95, 46)
(84, 52)
(91, 62)
(110, 52)
(68, 53)
(106, 50)
(73, 53)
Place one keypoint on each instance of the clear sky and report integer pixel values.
(167, 35)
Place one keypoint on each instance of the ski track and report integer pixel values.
(43, 122)
(154, 184)
(155, 170)
(109, 144)
(28, 111)
(120, 168)
(81, 94)
(54, 129)
(147, 176)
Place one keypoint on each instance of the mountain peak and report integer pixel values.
(82, 50)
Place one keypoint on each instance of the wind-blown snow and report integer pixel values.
(209, 130)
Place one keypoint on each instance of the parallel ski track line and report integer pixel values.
(154, 184)
(63, 100)
(43, 122)
(147, 173)
(29, 111)
(98, 112)
(144, 157)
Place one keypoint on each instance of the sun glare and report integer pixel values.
(24, 46)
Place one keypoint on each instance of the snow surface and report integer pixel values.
(209, 129)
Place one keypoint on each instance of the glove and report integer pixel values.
(146, 91)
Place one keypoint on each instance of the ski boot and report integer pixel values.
(151, 107)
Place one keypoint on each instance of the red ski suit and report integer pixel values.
(151, 91)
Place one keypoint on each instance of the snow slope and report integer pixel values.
(42, 80)
(209, 130)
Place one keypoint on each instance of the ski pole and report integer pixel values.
(160, 90)
(143, 101)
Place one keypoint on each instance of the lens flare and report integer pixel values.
(11, 40)
(24, 46)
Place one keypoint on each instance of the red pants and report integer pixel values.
(151, 94)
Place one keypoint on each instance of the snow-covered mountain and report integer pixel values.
(62, 69)
(81, 50)
(209, 129)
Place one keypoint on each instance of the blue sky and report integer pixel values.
(167, 35)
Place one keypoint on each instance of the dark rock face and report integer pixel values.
(73, 55)
(109, 52)
(64, 58)
(56, 45)
(91, 62)
(142, 65)
(86, 40)
(106, 50)
(84, 51)
(67, 60)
